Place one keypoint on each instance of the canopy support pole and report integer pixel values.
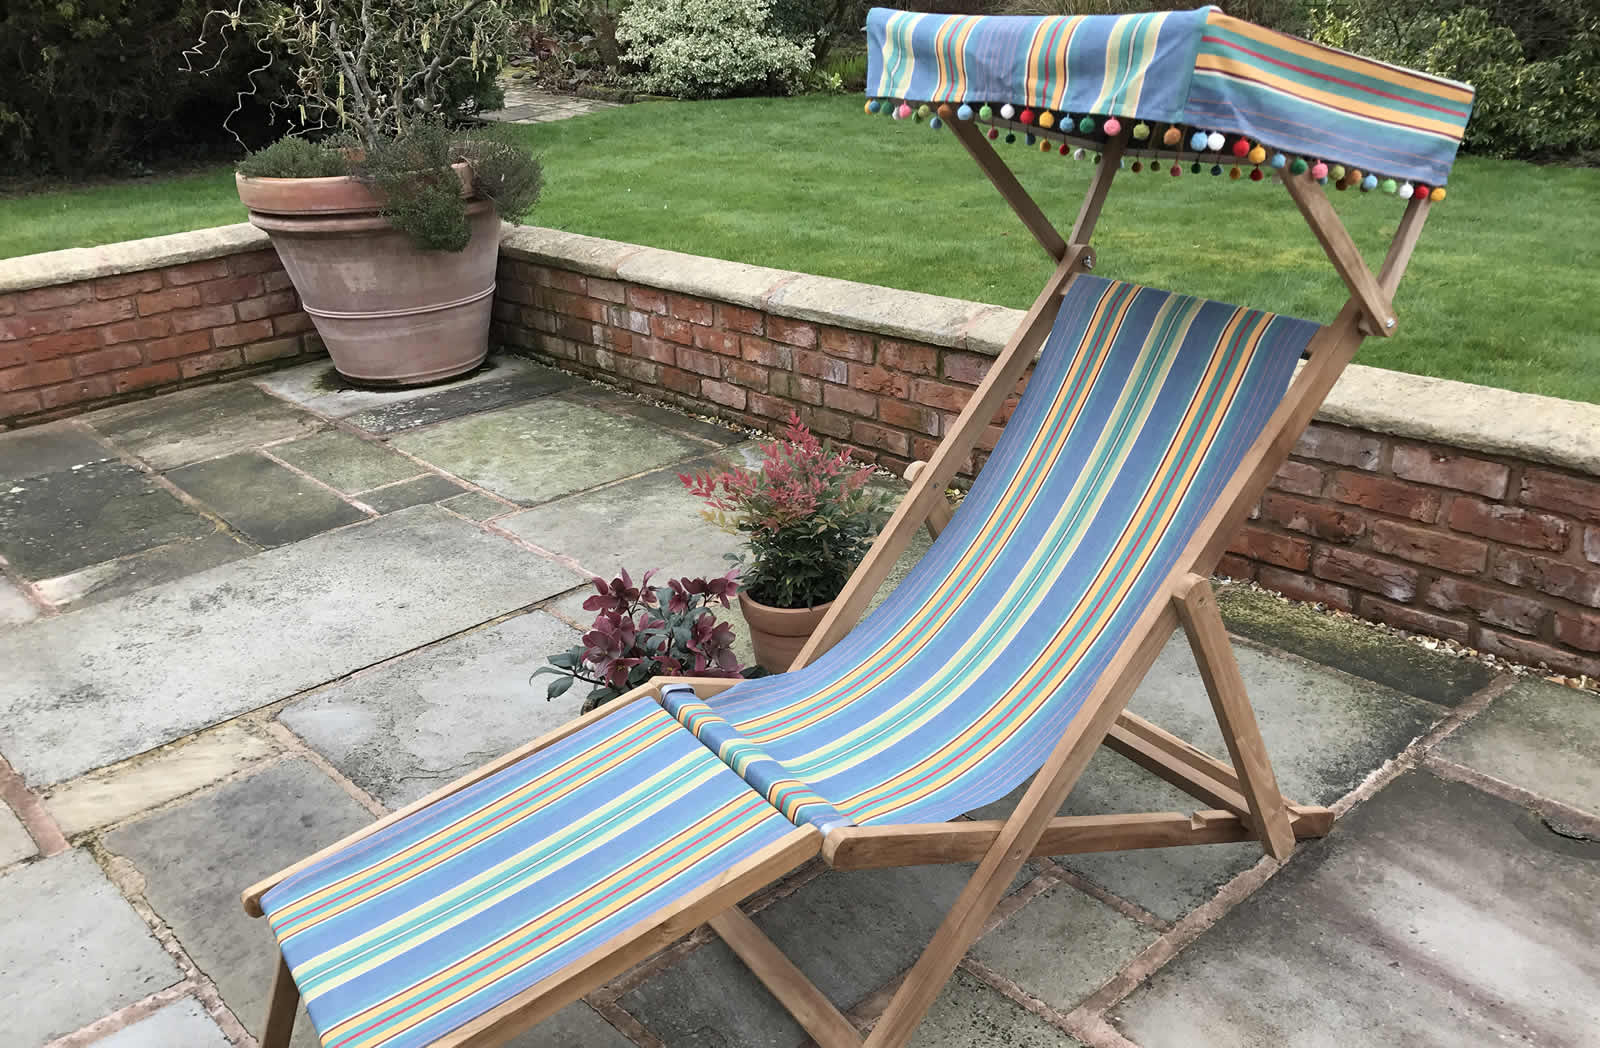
(1376, 310)
(1032, 215)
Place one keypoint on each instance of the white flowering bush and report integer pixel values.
(710, 48)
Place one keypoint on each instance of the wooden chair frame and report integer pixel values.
(1244, 791)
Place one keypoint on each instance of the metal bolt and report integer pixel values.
(1088, 262)
(1389, 322)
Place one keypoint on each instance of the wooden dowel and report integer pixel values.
(939, 516)
(810, 1006)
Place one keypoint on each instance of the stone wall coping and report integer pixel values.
(68, 266)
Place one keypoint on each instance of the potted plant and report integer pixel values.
(640, 633)
(389, 226)
(810, 517)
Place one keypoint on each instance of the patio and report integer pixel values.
(242, 620)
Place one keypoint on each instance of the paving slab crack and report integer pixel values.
(31, 812)
(1583, 823)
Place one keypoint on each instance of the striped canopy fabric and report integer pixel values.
(954, 690)
(1199, 68)
(430, 923)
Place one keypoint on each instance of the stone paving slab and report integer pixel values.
(270, 505)
(849, 932)
(969, 1014)
(1063, 946)
(344, 461)
(657, 415)
(319, 387)
(15, 843)
(124, 790)
(575, 1026)
(1355, 647)
(15, 607)
(547, 448)
(71, 949)
(183, 1024)
(1542, 737)
(197, 857)
(137, 571)
(408, 727)
(188, 426)
(1324, 732)
(527, 382)
(424, 489)
(1434, 914)
(57, 523)
(47, 449)
(475, 505)
(90, 691)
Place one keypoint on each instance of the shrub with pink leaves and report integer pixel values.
(640, 633)
(808, 513)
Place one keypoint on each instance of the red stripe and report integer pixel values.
(1332, 79)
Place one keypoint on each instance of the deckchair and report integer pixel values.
(1150, 424)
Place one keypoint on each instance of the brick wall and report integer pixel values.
(1496, 552)
(69, 347)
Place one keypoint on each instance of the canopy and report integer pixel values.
(1201, 69)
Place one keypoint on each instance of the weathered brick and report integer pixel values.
(880, 380)
(1547, 575)
(830, 423)
(76, 392)
(1302, 587)
(576, 328)
(760, 351)
(1517, 527)
(750, 376)
(195, 272)
(168, 300)
(54, 297)
(694, 310)
(1573, 496)
(277, 349)
(1298, 478)
(769, 407)
(724, 342)
(126, 284)
(792, 332)
(647, 300)
(276, 281)
(816, 365)
(202, 318)
(264, 261)
(796, 387)
(1447, 469)
(145, 377)
(655, 350)
(1235, 567)
(568, 281)
(1364, 571)
(1532, 652)
(608, 290)
(744, 321)
(968, 368)
(16, 405)
(843, 398)
(1344, 447)
(872, 435)
(1427, 546)
(939, 395)
(1413, 619)
(847, 344)
(902, 356)
(292, 324)
(1312, 518)
(107, 360)
(1385, 495)
(724, 393)
(596, 357)
(699, 362)
(63, 344)
(8, 303)
(276, 304)
(230, 289)
(672, 330)
(645, 371)
(909, 416)
(178, 346)
(1490, 605)
(1578, 629)
(239, 334)
(29, 325)
(1260, 544)
(1591, 544)
(93, 314)
(40, 373)
(210, 363)
(989, 437)
(136, 330)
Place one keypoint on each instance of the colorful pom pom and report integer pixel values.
(985, 113)
(1197, 141)
(1011, 137)
(1241, 147)
(1008, 111)
(1278, 161)
(1044, 145)
(1405, 191)
(994, 133)
(1175, 171)
(1028, 139)
(1172, 136)
(1319, 171)
(1258, 155)
(1369, 183)
(935, 124)
(1066, 150)
(1025, 117)
(1194, 168)
(1086, 126)
(1215, 141)
(1216, 169)
(1421, 192)
(964, 113)
(1141, 131)
(1256, 175)
(1079, 153)
(1437, 194)
(1389, 186)
(1341, 185)
(923, 110)
(1298, 166)
(1111, 126)
(874, 105)
(1137, 167)
(1047, 119)
(1336, 172)
(903, 111)
(1234, 173)
(945, 112)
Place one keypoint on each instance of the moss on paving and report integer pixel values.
(1351, 646)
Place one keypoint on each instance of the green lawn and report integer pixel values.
(1502, 290)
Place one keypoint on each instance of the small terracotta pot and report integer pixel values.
(778, 634)
(390, 313)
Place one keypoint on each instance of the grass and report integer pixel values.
(1501, 291)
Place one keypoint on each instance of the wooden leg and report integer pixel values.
(281, 1008)
(809, 1006)
(939, 516)
(1197, 610)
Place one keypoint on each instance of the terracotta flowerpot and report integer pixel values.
(390, 313)
(778, 634)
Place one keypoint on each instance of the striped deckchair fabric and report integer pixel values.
(952, 692)
(1199, 68)
(407, 934)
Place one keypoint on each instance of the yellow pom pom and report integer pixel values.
(1047, 119)
(1437, 194)
(1258, 155)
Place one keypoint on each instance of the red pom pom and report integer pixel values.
(1256, 175)
(1420, 192)
(1026, 117)
(1241, 147)
(1175, 171)
(1065, 149)
(993, 133)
